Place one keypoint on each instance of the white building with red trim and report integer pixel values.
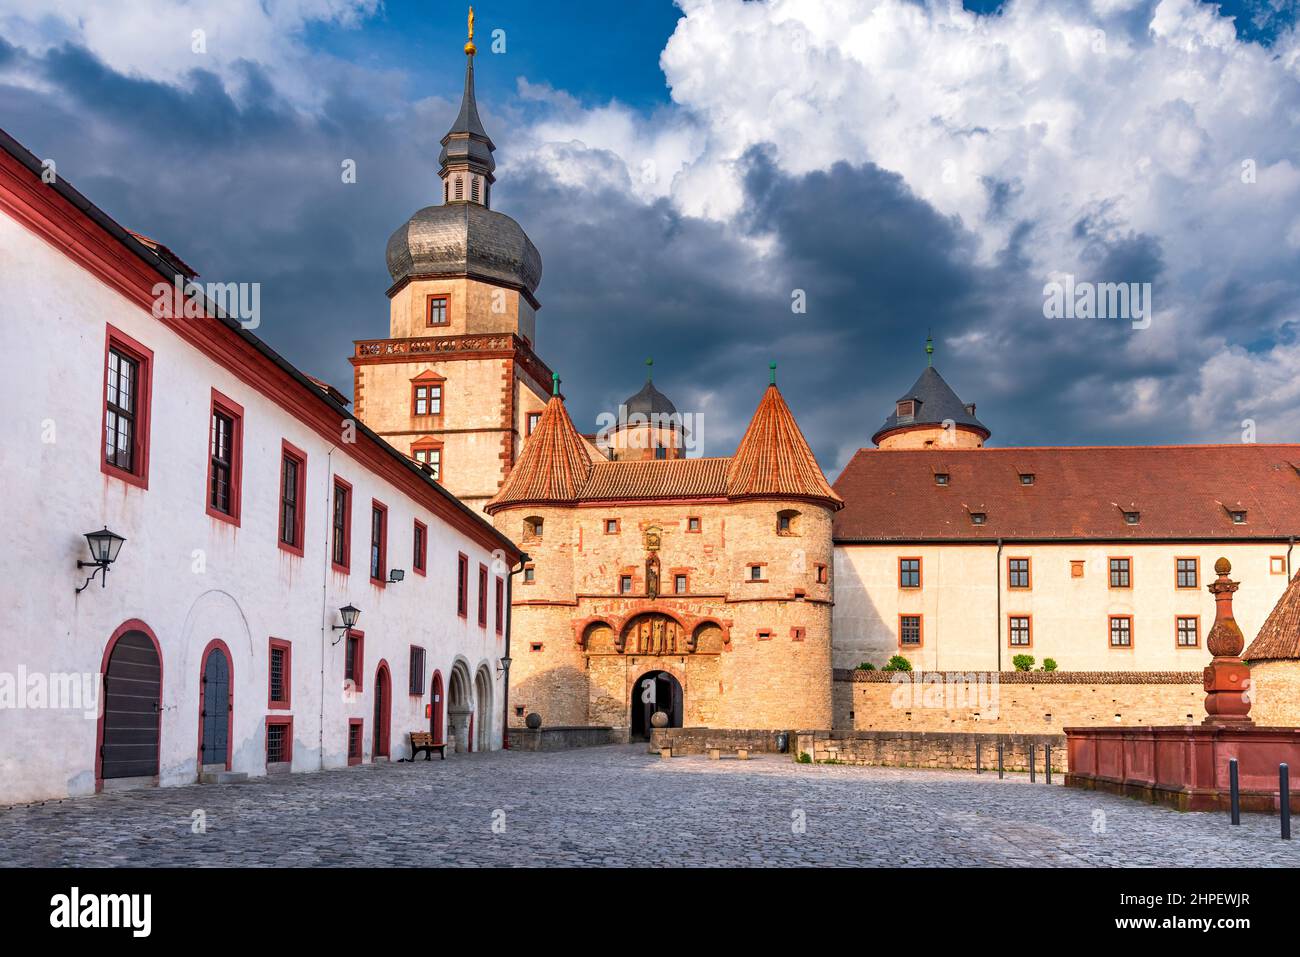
(253, 508)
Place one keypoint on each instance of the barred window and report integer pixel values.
(277, 675)
(277, 743)
(910, 630)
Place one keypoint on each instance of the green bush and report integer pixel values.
(1023, 662)
(804, 758)
(1049, 664)
(898, 663)
(866, 666)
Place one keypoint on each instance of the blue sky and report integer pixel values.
(685, 170)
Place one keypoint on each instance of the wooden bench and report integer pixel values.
(423, 741)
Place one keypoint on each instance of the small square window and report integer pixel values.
(765, 634)
(625, 584)
(611, 526)
(693, 524)
(679, 584)
(535, 646)
(530, 574)
(279, 742)
(797, 634)
(756, 573)
(1238, 517)
(1132, 518)
(1026, 478)
(1277, 565)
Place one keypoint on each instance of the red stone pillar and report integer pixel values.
(1227, 678)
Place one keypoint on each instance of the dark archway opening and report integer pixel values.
(655, 691)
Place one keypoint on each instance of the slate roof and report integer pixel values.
(649, 401)
(1279, 638)
(1179, 492)
(936, 403)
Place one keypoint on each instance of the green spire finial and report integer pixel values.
(649, 369)
(555, 383)
(772, 369)
(929, 349)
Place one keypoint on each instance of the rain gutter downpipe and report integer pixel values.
(999, 579)
(505, 679)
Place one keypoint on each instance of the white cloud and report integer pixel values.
(158, 41)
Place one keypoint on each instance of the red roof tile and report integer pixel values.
(553, 466)
(1279, 638)
(774, 457)
(1179, 492)
(658, 478)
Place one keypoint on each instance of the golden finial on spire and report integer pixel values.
(470, 49)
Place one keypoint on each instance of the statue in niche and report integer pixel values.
(652, 576)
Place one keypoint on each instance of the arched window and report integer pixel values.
(787, 522)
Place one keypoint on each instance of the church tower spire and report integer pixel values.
(465, 164)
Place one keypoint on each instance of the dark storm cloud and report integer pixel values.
(248, 188)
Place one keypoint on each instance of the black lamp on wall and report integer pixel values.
(104, 546)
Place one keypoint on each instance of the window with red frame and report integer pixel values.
(1188, 631)
(279, 740)
(482, 595)
(225, 455)
(501, 604)
(279, 675)
(378, 542)
(426, 398)
(354, 741)
(341, 547)
(462, 585)
(439, 311)
(417, 670)
(293, 493)
(430, 454)
(420, 546)
(127, 383)
(353, 658)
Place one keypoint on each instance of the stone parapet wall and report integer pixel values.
(563, 738)
(689, 741)
(924, 749)
(1014, 702)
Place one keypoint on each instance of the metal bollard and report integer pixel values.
(978, 769)
(1234, 791)
(1284, 789)
(1031, 764)
(999, 760)
(1047, 761)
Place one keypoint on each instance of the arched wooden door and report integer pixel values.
(436, 708)
(383, 712)
(131, 724)
(216, 707)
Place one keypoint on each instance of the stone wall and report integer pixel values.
(924, 749)
(1015, 702)
(688, 741)
(562, 738)
(1275, 701)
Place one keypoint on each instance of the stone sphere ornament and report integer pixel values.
(659, 719)
(533, 721)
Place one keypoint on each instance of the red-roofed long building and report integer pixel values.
(960, 557)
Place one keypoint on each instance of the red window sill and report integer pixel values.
(223, 517)
(130, 478)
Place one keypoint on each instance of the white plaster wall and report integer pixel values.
(1070, 616)
(189, 577)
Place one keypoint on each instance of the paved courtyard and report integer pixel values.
(620, 806)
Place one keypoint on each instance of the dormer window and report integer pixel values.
(1132, 518)
(1026, 478)
(978, 518)
(1238, 516)
(906, 408)
(940, 478)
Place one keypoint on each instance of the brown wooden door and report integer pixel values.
(132, 708)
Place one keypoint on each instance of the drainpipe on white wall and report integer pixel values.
(324, 592)
(505, 678)
(1290, 544)
(999, 570)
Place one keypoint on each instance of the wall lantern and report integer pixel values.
(503, 668)
(349, 613)
(104, 546)
(395, 575)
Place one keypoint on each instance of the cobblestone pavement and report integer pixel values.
(620, 806)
